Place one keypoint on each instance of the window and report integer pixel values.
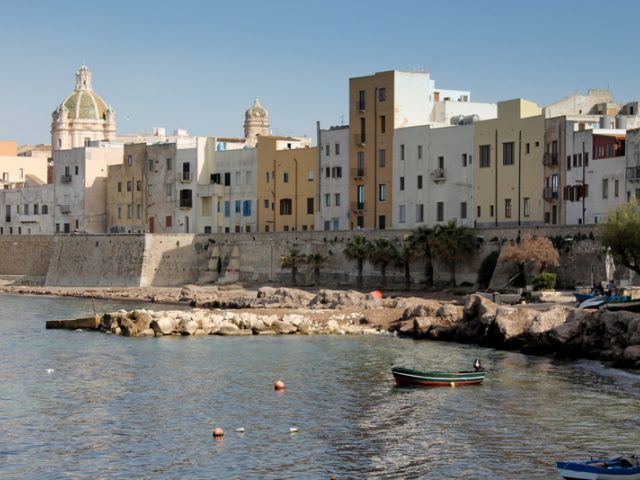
(441, 163)
(419, 152)
(360, 196)
(216, 179)
(129, 211)
(246, 208)
(568, 162)
(615, 188)
(401, 184)
(527, 148)
(87, 141)
(363, 136)
(227, 208)
(76, 170)
(382, 96)
(485, 152)
(586, 159)
(169, 221)
(491, 211)
(327, 172)
(45, 209)
(419, 182)
(507, 208)
(575, 159)
(169, 164)
(382, 222)
(248, 177)
(267, 177)
(361, 103)
(310, 206)
(402, 214)
(478, 211)
(605, 188)
(419, 213)
(327, 150)
(310, 175)
(227, 179)
(119, 186)
(507, 153)
(139, 185)
(168, 190)
(440, 212)
(336, 172)
(285, 177)
(129, 160)
(382, 158)
(327, 200)
(129, 186)
(382, 192)
(463, 210)
(35, 209)
(401, 152)
(138, 211)
(337, 148)
(285, 206)
(265, 203)
(526, 206)
(337, 199)
(360, 160)
(238, 206)
(151, 162)
(383, 124)
(464, 159)
(238, 179)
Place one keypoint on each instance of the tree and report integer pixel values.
(451, 243)
(531, 250)
(357, 249)
(316, 261)
(381, 253)
(421, 239)
(405, 256)
(292, 261)
(621, 234)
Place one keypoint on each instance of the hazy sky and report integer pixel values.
(198, 64)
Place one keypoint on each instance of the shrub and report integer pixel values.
(487, 267)
(544, 281)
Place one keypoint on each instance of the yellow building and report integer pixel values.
(287, 185)
(126, 191)
(8, 148)
(508, 170)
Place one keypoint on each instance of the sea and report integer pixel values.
(87, 405)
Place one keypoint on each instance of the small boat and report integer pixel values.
(607, 469)
(581, 297)
(406, 377)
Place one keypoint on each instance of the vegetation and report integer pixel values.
(421, 240)
(451, 243)
(292, 261)
(487, 268)
(405, 256)
(357, 250)
(531, 250)
(381, 253)
(621, 235)
(316, 261)
(544, 281)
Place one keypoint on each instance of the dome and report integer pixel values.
(84, 103)
(256, 110)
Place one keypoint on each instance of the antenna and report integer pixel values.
(341, 120)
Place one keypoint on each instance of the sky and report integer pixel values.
(198, 65)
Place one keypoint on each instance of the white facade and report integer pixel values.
(80, 186)
(27, 210)
(633, 164)
(333, 213)
(433, 175)
(450, 112)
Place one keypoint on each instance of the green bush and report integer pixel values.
(487, 267)
(544, 281)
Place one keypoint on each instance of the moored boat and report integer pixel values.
(603, 469)
(407, 377)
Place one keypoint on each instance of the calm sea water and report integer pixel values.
(116, 407)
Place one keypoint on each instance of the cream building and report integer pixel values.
(127, 191)
(508, 166)
(632, 154)
(333, 212)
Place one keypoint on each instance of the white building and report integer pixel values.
(333, 144)
(433, 175)
(27, 209)
(632, 153)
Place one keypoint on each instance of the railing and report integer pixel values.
(633, 173)
(357, 206)
(360, 139)
(186, 203)
(550, 159)
(439, 175)
(65, 208)
(548, 193)
(185, 177)
(65, 178)
(357, 172)
(361, 106)
(29, 218)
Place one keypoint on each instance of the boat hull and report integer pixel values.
(592, 470)
(405, 377)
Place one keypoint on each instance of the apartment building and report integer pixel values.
(632, 154)
(333, 212)
(127, 191)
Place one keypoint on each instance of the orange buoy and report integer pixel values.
(218, 432)
(376, 294)
(279, 385)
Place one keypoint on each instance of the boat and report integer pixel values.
(581, 297)
(407, 377)
(612, 302)
(603, 469)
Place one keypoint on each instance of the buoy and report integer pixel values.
(293, 430)
(50, 370)
(376, 294)
(279, 385)
(240, 430)
(218, 432)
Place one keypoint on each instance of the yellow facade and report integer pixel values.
(371, 124)
(287, 186)
(508, 166)
(126, 191)
(8, 148)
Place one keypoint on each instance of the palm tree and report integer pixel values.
(421, 239)
(292, 261)
(405, 256)
(382, 253)
(357, 249)
(451, 243)
(316, 261)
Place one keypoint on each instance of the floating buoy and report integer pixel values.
(279, 385)
(218, 432)
(50, 370)
(293, 430)
(240, 430)
(377, 294)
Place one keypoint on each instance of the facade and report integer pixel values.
(27, 210)
(632, 154)
(433, 175)
(83, 117)
(127, 191)
(333, 212)
(508, 166)
(8, 148)
(287, 185)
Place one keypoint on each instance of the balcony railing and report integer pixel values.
(185, 177)
(357, 206)
(550, 159)
(186, 203)
(548, 193)
(65, 208)
(633, 174)
(439, 175)
(65, 178)
(357, 172)
(29, 218)
(360, 139)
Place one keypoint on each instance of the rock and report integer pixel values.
(283, 328)
(450, 313)
(282, 297)
(163, 325)
(631, 356)
(147, 333)
(187, 326)
(128, 327)
(350, 298)
(141, 318)
(228, 329)
(406, 328)
(478, 314)
(332, 326)
(421, 308)
(266, 332)
(433, 327)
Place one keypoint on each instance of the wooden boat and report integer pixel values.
(581, 297)
(607, 469)
(406, 377)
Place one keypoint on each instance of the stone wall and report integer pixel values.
(25, 255)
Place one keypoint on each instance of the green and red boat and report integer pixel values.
(407, 377)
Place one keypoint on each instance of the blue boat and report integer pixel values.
(604, 469)
(581, 297)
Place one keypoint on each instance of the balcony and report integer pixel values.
(360, 139)
(186, 203)
(550, 159)
(357, 207)
(65, 178)
(29, 218)
(357, 172)
(633, 174)
(64, 209)
(548, 193)
(185, 177)
(439, 175)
